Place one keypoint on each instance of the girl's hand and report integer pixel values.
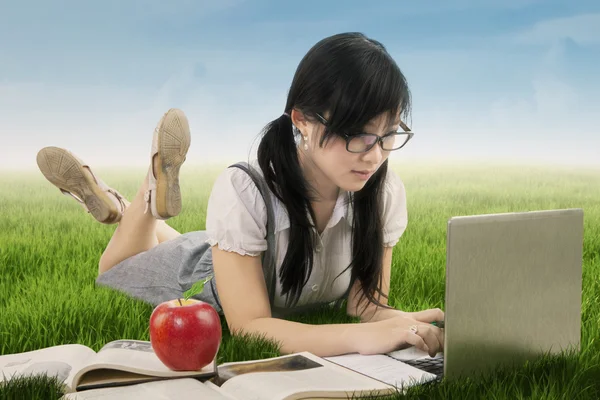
(429, 316)
(395, 333)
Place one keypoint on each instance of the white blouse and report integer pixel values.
(236, 221)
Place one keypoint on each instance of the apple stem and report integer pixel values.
(179, 300)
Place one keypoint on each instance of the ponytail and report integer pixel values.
(367, 239)
(278, 160)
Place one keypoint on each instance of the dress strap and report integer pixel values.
(268, 258)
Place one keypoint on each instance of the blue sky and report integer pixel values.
(511, 80)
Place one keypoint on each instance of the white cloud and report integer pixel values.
(113, 125)
(478, 4)
(160, 8)
(229, 96)
(413, 8)
(584, 29)
(550, 118)
(553, 97)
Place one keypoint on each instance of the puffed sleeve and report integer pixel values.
(395, 215)
(236, 216)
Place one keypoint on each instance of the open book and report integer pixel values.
(290, 377)
(118, 363)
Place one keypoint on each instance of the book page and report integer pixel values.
(295, 376)
(172, 389)
(139, 357)
(412, 353)
(383, 368)
(61, 361)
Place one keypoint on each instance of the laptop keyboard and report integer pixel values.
(432, 365)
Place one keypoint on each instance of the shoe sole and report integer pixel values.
(66, 172)
(173, 143)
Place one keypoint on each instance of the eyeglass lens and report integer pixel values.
(362, 143)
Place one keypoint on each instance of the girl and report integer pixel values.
(336, 212)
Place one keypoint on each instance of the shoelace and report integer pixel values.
(119, 197)
(147, 201)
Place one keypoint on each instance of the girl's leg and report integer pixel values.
(158, 197)
(164, 231)
(136, 232)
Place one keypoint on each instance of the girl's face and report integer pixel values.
(333, 165)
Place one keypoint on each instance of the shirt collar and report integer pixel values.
(341, 210)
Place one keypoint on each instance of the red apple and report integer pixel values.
(185, 334)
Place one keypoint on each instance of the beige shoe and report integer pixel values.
(74, 178)
(170, 144)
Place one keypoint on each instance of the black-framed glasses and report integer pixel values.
(363, 142)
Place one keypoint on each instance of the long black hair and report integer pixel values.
(353, 79)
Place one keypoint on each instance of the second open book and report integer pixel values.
(291, 377)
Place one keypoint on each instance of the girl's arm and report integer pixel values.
(243, 295)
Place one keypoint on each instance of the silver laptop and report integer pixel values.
(513, 290)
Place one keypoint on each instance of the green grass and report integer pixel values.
(49, 252)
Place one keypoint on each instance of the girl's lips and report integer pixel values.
(363, 174)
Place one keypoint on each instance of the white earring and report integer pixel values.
(305, 142)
